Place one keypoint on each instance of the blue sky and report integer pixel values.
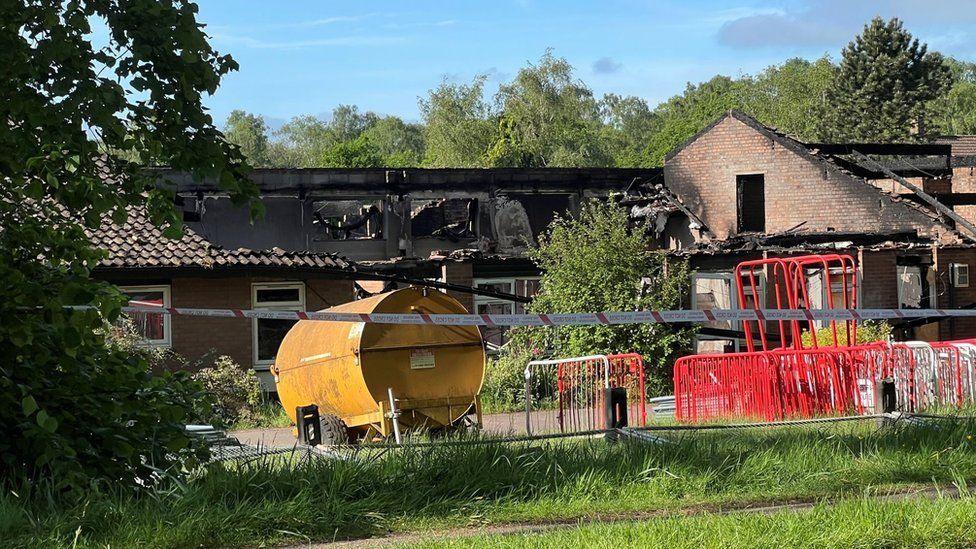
(305, 57)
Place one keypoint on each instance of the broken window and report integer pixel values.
(496, 336)
(349, 219)
(914, 287)
(713, 291)
(750, 191)
(450, 218)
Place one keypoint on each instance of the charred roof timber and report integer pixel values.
(438, 182)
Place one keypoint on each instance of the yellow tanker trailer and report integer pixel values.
(348, 369)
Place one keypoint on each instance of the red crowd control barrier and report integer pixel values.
(787, 380)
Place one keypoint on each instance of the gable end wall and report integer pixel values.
(798, 190)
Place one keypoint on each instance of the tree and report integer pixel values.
(79, 121)
(401, 144)
(348, 123)
(684, 115)
(303, 142)
(629, 125)
(250, 133)
(955, 112)
(791, 97)
(458, 129)
(358, 153)
(548, 119)
(885, 80)
(598, 261)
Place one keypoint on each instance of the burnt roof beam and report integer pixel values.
(889, 149)
(927, 198)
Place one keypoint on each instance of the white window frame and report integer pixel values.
(263, 365)
(167, 340)
(487, 300)
(954, 271)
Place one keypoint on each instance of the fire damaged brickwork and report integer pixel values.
(803, 191)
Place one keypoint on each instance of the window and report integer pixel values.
(268, 332)
(349, 219)
(750, 192)
(960, 274)
(715, 291)
(914, 287)
(154, 327)
(484, 305)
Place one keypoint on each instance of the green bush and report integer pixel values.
(869, 331)
(234, 391)
(504, 385)
(80, 409)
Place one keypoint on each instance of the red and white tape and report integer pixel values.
(568, 319)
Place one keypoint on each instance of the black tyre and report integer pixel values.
(334, 430)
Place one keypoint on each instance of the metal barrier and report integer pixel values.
(567, 395)
(806, 383)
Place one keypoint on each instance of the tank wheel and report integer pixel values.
(334, 430)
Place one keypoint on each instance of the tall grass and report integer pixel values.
(274, 499)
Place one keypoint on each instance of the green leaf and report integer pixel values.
(29, 405)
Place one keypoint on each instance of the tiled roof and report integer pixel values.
(962, 145)
(138, 243)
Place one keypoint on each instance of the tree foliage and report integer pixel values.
(79, 122)
(884, 82)
(549, 119)
(598, 261)
(250, 134)
(886, 87)
(458, 125)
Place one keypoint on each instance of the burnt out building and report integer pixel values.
(902, 211)
(329, 236)
(737, 190)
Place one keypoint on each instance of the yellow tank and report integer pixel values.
(346, 368)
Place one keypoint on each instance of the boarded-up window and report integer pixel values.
(751, 203)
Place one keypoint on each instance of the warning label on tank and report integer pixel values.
(421, 359)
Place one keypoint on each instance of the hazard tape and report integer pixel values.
(566, 319)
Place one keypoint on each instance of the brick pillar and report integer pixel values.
(455, 272)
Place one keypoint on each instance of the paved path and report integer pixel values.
(500, 424)
(930, 493)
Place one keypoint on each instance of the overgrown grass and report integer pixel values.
(269, 414)
(276, 500)
(857, 523)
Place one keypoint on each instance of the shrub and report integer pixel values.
(504, 384)
(868, 332)
(88, 411)
(234, 391)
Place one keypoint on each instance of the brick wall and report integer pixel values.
(462, 274)
(879, 284)
(949, 296)
(193, 337)
(797, 189)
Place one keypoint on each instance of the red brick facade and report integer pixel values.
(193, 337)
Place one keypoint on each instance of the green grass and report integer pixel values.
(268, 415)
(276, 500)
(857, 523)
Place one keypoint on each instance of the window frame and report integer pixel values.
(741, 181)
(954, 271)
(257, 363)
(167, 341)
(927, 299)
(487, 300)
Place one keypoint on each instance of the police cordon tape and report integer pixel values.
(566, 319)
